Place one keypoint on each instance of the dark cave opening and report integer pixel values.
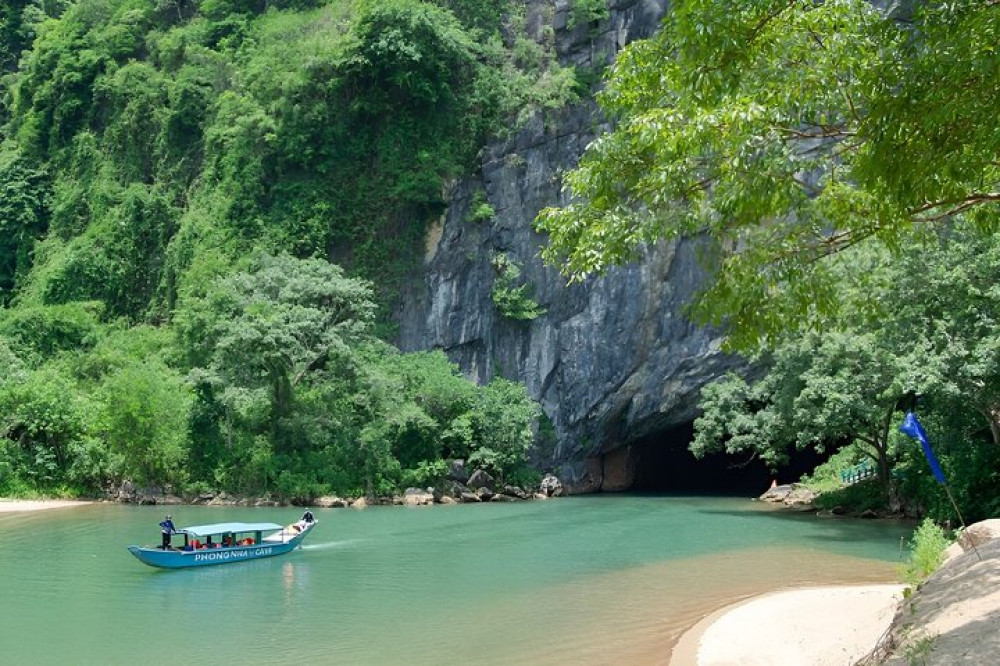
(663, 463)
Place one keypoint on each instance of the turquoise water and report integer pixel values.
(589, 580)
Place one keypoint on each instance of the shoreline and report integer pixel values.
(820, 626)
(24, 506)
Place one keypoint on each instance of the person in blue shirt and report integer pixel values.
(166, 530)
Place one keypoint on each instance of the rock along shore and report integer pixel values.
(461, 488)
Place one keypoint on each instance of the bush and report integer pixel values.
(926, 552)
(513, 302)
(426, 473)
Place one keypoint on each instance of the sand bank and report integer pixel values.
(11, 506)
(822, 626)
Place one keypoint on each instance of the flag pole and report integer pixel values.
(965, 528)
(911, 426)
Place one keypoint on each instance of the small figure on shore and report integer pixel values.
(166, 530)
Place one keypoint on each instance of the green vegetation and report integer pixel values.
(512, 301)
(587, 12)
(206, 209)
(926, 552)
(479, 209)
(918, 652)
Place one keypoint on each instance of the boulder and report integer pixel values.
(449, 488)
(445, 499)
(468, 496)
(515, 491)
(359, 503)
(417, 497)
(979, 533)
(953, 551)
(794, 496)
(777, 493)
(551, 486)
(457, 471)
(480, 479)
(330, 502)
(485, 494)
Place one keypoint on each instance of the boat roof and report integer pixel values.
(221, 528)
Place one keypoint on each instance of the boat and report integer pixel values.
(225, 543)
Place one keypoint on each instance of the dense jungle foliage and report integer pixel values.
(838, 162)
(206, 210)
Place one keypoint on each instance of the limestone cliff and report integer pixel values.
(612, 359)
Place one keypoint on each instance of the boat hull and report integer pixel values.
(183, 559)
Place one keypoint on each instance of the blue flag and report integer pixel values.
(911, 426)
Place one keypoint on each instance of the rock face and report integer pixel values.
(612, 359)
(953, 617)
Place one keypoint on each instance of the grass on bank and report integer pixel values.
(927, 548)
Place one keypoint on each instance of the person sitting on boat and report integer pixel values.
(166, 530)
(302, 523)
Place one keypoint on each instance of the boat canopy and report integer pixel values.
(222, 528)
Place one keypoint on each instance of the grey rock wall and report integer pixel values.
(613, 359)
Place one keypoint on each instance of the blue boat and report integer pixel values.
(225, 543)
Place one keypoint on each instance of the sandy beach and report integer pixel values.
(14, 506)
(822, 626)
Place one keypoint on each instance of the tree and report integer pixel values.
(47, 424)
(783, 132)
(502, 419)
(938, 306)
(262, 333)
(820, 391)
(145, 421)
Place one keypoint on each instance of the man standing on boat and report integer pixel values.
(166, 529)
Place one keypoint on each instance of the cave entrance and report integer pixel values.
(663, 463)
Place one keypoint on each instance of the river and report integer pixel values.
(582, 580)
